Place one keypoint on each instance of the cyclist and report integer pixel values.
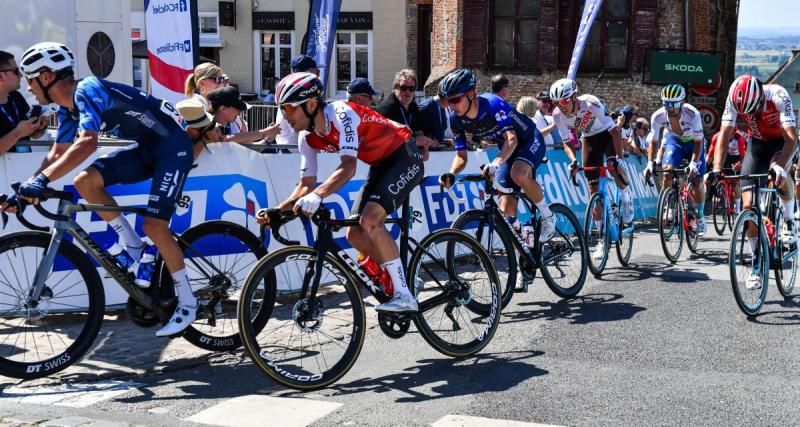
(487, 117)
(683, 134)
(767, 112)
(736, 149)
(162, 152)
(355, 132)
(600, 136)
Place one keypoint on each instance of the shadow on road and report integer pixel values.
(779, 318)
(584, 309)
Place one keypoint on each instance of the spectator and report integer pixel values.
(624, 120)
(361, 92)
(227, 106)
(400, 105)
(433, 119)
(200, 124)
(15, 125)
(500, 86)
(287, 135)
(638, 142)
(205, 79)
(543, 119)
(527, 106)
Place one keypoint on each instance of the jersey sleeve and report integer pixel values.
(502, 112)
(308, 157)
(91, 100)
(346, 122)
(697, 125)
(655, 128)
(67, 127)
(729, 114)
(459, 134)
(784, 105)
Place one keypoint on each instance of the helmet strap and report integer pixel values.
(59, 75)
(311, 115)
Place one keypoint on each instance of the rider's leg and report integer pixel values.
(508, 205)
(158, 231)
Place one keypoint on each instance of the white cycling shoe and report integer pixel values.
(183, 317)
(754, 281)
(599, 253)
(701, 226)
(400, 303)
(548, 228)
(789, 233)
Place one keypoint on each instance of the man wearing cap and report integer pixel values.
(361, 92)
(227, 105)
(200, 124)
(287, 135)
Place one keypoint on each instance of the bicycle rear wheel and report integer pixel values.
(219, 255)
(670, 224)
(719, 208)
(596, 234)
(459, 299)
(302, 347)
(625, 243)
(42, 337)
(692, 235)
(744, 259)
(498, 243)
(563, 258)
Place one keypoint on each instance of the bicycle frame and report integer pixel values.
(681, 186)
(603, 185)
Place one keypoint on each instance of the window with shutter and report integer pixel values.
(607, 45)
(514, 33)
(475, 28)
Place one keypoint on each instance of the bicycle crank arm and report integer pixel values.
(449, 312)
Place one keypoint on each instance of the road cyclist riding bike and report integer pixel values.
(767, 112)
(487, 117)
(726, 197)
(162, 152)
(600, 138)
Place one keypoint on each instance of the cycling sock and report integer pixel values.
(135, 253)
(788, 209)
(701, 207)
(752, 241)
(395, 269)
(183, 289)
(126, 232)
(544, 208)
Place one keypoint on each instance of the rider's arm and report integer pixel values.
(340, 177)
(617, 138)
(721, 150)
(789, 145)
(460, 145)
(61, 162)
(508, 148)
(305, 186)
(459, 162)
(563, 131)
(308, 173)
(697, 132)
(788, 121)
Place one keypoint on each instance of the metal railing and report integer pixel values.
(259, 116)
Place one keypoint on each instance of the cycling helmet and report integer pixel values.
(297, 89)
(563, 89)
(544, 96)
(47, 56)
(673, 93)
(746, 94)
(459, 81)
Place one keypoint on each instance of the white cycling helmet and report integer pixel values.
(46, 56)
(563, 89)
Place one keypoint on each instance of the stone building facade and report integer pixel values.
(788, 76)
(531, 42)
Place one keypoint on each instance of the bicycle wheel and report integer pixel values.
(498, 243)
(744, 259)
(670, 224)
(719, 208)
(692, 236)
(785, 263)
(218, 255)
(302, 347)
(625, 243)
(46, 336)
(596, 235)
(459, 299)
(563, 257)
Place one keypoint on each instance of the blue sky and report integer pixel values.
(769, 13)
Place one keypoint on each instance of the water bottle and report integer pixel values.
(122, 257)
(376, 273)
(614, 226)
(528, 234)
(144, 275)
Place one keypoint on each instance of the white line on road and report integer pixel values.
(71, 395)
(258, 410)
(465, 421)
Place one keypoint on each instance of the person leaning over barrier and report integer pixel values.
(227, 106)
(200, 124)
(16, 121)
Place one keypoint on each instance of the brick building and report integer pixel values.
(531, 41)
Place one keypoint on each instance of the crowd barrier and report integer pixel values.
(232, 182)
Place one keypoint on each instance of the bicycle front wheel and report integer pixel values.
(625, 243)
(785, 263)
(219, 255)
(305, 345)
(563, 257)
(498, 243)
(692, 235)
(748, 257)
(719, 208)
(44, 336)
(670, 224)
(459, 298)
(596, 234)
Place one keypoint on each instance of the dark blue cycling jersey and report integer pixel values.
(118, 110)
(495, 118)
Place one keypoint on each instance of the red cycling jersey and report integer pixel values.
(736, 146)
(356, 131)
(768, 123)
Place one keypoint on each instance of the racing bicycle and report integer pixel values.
(725, 203)
(676, 215)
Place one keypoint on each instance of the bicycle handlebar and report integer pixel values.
(277, 219)
(47, 193)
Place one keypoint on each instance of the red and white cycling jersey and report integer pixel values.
(769, 123)
(590, 119)
(352, 130)
(736, 145)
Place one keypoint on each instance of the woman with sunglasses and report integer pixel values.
(683, 127)
(205, 78)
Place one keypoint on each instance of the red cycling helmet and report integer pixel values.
(746, 94)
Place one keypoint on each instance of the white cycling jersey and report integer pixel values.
(591, 118)
(690, 121)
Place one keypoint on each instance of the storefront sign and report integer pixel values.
(683, 67)
(273, 21)
(227, 14)
(355, 21)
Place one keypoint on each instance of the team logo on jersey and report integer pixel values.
(500, 116)
(585, 123)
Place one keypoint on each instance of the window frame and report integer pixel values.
(259, 46)
(602, 19)
(200, 16)
(332, 90)
(515, 19)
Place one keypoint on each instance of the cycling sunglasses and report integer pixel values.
(672, 105)
(564, 102)
(290, 108)
(455, 99)
(404, 88)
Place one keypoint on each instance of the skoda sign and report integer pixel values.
(683, 67)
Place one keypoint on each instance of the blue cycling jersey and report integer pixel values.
(495, 118)
(119, 110)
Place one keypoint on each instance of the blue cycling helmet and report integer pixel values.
(459, 81)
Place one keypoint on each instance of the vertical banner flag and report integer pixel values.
(323, 18)
(171, 45)
(587, 19)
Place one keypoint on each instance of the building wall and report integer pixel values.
(389, 42)
(789, 78)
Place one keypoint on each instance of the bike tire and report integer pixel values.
(672, 228)
(436, 258)
(738, 246)
(505, 260)
(624, 245)
(568, 240)
(692, 237)
(68, 256)
(785, 264)
(215, 242)
(719, 208)
(342, 299)
(592, 236)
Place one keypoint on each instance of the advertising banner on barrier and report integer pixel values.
(233, 182)
(171, 45)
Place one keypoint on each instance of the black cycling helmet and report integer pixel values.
(459, 81)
